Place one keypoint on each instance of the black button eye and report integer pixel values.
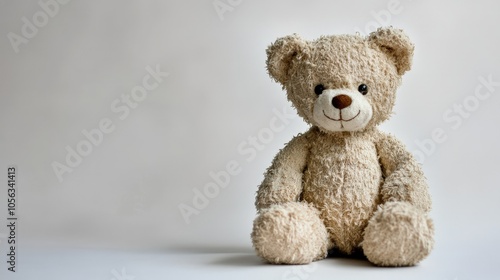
(363, 89)
(319, 89)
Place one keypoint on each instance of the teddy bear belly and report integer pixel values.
(346, 191)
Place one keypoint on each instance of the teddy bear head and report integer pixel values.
(345, 82)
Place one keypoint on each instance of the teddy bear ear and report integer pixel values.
(395, 44)
(281, 54)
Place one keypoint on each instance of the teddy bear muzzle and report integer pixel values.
(342, 110)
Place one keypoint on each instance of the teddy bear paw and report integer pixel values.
(290, 233)
(398, 234)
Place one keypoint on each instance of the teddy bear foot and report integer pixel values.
(290, 233)
(398, 234)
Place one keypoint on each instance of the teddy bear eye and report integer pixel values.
(319, 89)
(363, 89)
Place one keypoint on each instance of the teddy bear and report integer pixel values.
(343, 185)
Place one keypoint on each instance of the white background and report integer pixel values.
(125, 194)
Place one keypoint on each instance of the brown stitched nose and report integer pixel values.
(341, 101)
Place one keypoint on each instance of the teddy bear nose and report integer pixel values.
(341, 101)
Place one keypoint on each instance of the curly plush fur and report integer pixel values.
(340, 186)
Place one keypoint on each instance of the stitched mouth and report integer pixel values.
(341, 119)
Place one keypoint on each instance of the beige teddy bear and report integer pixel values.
(343, 184)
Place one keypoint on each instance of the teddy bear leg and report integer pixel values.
(398, 234)
(290, 233)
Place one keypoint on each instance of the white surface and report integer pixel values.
(125, 194)
(235, 263)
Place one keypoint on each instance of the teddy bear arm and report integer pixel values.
(404, 179)
(283, 179)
